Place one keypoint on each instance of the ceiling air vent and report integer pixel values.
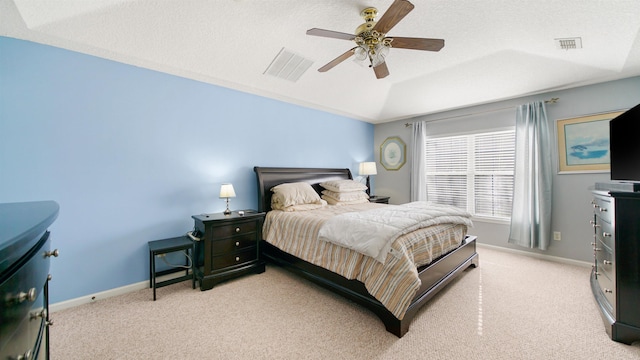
(569, 43)
(288, 65)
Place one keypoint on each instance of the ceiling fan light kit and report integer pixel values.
(372, 41)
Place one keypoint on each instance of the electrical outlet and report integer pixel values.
(557, 235)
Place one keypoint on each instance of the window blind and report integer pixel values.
(474, 172)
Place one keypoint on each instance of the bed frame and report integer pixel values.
(434, 276)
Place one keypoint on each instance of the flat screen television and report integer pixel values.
(624, 146)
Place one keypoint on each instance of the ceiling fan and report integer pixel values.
(372, 41)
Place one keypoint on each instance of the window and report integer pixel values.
(473, 172)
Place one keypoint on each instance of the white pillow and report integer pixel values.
(346, 196)
(290, 194)
(333, 201)
(343, 185)
(304, 207)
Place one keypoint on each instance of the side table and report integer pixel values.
(379, 199)
(163, 247)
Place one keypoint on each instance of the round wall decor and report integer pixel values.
(393, 153)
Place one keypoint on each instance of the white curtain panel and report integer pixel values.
(418, 152)
(531, 212)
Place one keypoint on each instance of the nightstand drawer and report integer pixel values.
(238, 228)
(234, 243)
(231, 259)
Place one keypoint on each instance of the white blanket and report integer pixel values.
(372, 232)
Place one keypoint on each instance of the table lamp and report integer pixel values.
(367, 169)
(226, 192)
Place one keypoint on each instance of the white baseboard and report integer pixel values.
(109, 293)
(538, 256)
(145, 284)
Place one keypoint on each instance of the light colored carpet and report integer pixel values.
(511, 307)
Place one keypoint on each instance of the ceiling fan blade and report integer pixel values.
(338, 60)
(396, 12)
(381, 70)
(330, 34)
(417, 43)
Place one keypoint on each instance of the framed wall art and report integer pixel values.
(583, 143)
(393, 153)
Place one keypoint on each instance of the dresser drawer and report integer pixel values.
(237, 228)
(26, 340)
(605, 262)
(233, 244)
(232, 259)
(603, 207)
(607, 286)
(22, 293)
(605, 232)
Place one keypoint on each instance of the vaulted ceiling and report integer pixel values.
(494, 49)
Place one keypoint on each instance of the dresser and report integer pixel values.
(615, 278)
(228, 246)
(25, 253)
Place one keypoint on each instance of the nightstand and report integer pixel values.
(228, 246)
(379, 199)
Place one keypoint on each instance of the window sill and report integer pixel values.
(490, 220)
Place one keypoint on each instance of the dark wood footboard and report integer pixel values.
(434, 277)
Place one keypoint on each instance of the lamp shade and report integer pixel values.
(368, 168)
(226, 191)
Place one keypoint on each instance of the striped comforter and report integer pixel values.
(393, 283)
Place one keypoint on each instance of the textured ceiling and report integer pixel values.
(494, 50)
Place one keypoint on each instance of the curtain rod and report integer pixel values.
(550, 101)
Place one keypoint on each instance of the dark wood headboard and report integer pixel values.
(269, 177)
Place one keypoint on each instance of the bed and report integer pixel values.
(432, 277)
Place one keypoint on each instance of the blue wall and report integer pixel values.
(130, 154)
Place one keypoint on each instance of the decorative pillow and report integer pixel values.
(333, 201)
(343, 185)
(290, 194)
(346, 196)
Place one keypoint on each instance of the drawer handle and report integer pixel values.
(237, 229)
(29, 295)
(596, 249)
(237, 243)
(608, 291)
(53, 253)
(606, 234)
(39, 314)
(595, 206)
(25, 356)
(607, 262)
(603, 209)
(237, 258)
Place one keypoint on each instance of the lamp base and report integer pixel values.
(368, 191)
(227, 211)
